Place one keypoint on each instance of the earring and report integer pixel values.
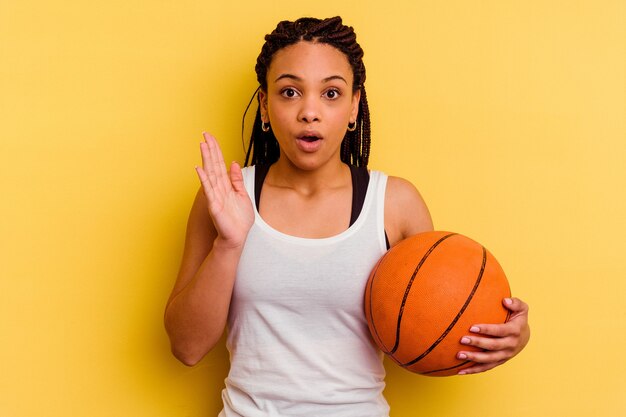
(265, 126)
(351, 127)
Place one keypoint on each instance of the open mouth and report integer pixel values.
(309, 138)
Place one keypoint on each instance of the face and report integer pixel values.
(309, 103)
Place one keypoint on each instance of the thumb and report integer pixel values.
(236, 177)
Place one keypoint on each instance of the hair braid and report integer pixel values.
(355, 148)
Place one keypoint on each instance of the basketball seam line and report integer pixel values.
(459, 314)
(408, 289)
(445, 369)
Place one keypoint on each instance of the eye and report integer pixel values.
(289, 92)
(332, 94)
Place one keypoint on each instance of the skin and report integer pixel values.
(309, 92)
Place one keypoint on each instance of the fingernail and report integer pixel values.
(508, 301)
(462, 373)
(462, 356)
(475, 329)
(465, 340)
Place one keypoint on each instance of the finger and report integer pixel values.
(206, 175)
(207, 163)
(516, 306)
(236, 177)
(511, 327)
(488, 343)
(201, 175)
(496, 330)
(484, 357)
(217, 163)
(223, 174)
(206, 156)
(479, 368)
(206, 184)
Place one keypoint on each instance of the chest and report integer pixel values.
(304, 282)
(307, 279)
(316, 216)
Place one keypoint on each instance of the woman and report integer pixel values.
(279, 252)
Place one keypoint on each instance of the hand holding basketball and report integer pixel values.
(503, 341)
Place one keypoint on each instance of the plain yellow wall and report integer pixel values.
(509, 116)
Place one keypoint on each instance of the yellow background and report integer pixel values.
(509, 116)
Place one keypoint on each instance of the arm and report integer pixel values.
(406, 214)
(218, 225)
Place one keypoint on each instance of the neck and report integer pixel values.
(286, 175)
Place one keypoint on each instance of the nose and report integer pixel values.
(310, 109)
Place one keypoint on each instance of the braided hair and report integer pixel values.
(355, 147)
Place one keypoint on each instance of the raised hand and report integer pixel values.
(500, 342)
(227, 200)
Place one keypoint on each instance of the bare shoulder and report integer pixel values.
(406, 212)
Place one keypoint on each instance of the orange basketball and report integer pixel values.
(424, 295)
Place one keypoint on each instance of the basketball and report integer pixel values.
(426, 292)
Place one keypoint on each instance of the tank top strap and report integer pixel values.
(360, 181)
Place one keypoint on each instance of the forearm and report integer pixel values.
(195, 317)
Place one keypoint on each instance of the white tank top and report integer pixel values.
(297, 336)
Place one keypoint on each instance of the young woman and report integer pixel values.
(279, 252)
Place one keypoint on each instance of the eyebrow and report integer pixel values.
(325, 80)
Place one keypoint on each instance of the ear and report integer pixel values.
(263, 106)
(356, 99)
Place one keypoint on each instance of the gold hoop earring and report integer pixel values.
(265, 126)
(351, 127)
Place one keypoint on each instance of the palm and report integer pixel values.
(228, 202)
